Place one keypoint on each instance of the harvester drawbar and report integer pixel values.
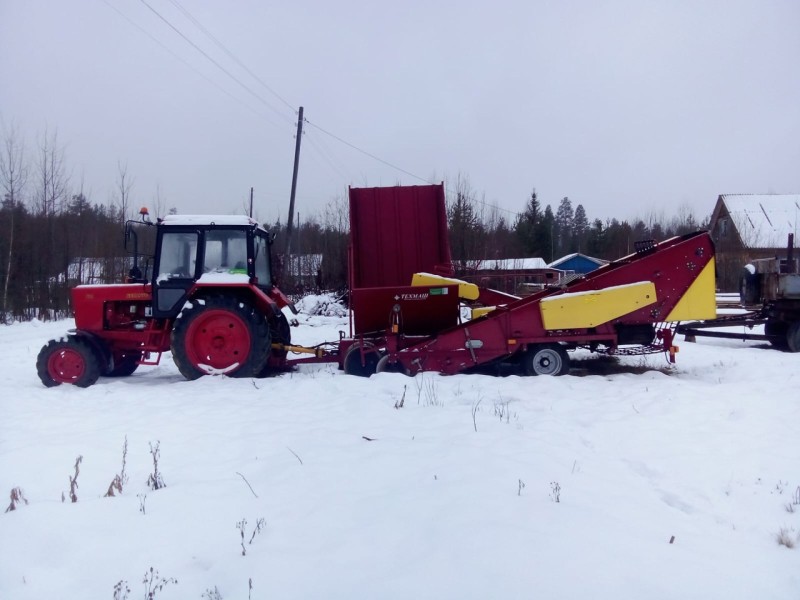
(211, 300)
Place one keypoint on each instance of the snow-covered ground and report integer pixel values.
(477, 487)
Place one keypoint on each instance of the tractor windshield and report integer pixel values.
(225, 251)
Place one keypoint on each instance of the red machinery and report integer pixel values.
(627, 306)
(211, 300)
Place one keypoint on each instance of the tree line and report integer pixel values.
(481, 231)
(52, 236)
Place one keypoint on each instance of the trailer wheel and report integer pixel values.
(793, 337)
(353, 364)
(68, 361)
(546, 359)
(220, 335)
(780, 332)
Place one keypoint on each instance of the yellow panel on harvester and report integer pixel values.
(699, 301)
(589, 309)
(468, 291)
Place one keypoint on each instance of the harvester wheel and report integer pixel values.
(793, 337)
(220, 335)
(353, 364)
(546, 359)
(68, 361)
(384, 366)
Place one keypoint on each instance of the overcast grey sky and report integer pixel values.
(627, 107)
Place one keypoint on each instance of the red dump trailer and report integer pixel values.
(212, 301)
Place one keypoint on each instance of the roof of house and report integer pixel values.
(512, 264)
(568, 257)
(763, 220)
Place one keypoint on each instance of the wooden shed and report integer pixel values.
(749, 226)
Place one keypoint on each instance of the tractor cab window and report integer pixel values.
(225, 251)
(261, 250)
(178, 255)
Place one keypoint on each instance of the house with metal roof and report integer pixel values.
(749, 226)
(577, 262)
(519, 276)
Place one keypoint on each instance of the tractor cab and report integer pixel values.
(199, 251)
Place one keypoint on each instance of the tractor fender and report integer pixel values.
(98, 345)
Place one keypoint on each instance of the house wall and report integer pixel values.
(578, 264)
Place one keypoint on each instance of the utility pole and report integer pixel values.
(251, 203)
(289, 224)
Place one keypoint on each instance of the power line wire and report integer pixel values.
(318, 149)
(189, 65)
(364, 152)
(321, 129)
(230, 54)
(219, 66)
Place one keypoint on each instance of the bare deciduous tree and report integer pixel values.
(51, 191)
(13, 177)
(124, 186)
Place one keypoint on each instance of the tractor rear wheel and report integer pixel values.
(68, 361)
(280, 332)
(545, 359)
(220, 335)
(353, 363)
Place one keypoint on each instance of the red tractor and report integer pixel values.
(210, 299)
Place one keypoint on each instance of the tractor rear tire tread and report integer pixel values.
(280, 332)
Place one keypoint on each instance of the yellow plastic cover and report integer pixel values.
(591, 308)
(699, 301)
(467, 291)
(483, 310)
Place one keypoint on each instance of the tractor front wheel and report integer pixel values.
(545, 359)
(220, 335)
(68, 361)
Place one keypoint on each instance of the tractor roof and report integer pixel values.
(219, 220)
